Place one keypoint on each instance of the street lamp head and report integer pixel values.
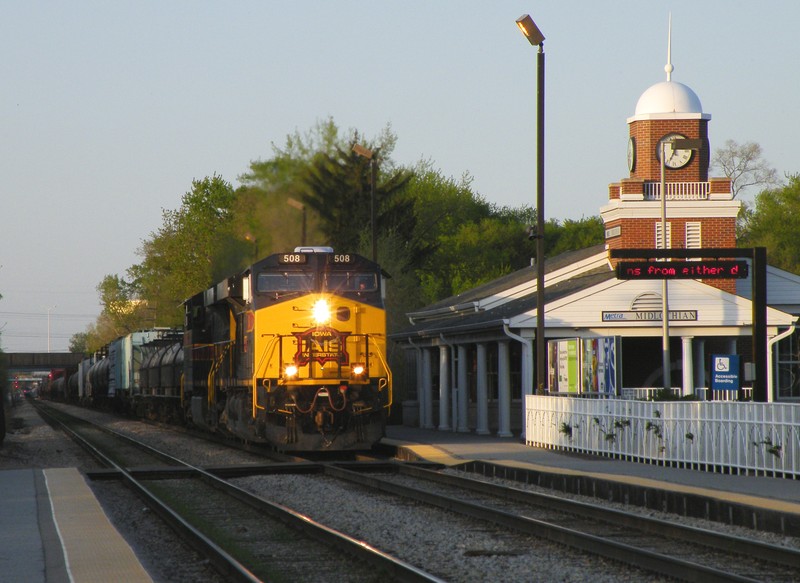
(687, 144)
(362, 151)
(530, 30)
(296, 204)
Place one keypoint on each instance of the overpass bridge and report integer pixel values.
(39, 361)
(22, 366)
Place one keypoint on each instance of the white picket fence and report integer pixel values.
(730, 437)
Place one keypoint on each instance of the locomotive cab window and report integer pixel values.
(352, 282)
(288, 281)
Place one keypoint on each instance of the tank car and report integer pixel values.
(111, 378)
(291, 352)
(160, 396)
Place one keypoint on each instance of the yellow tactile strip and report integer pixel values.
(94, 550)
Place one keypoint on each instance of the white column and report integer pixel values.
(688, 366)
(503, 390)
(427, 389)
(444, 388)
(482, 392)
(463, 389)
(700, 363)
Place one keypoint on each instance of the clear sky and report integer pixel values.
(109, 110)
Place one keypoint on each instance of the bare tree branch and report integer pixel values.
(744, 165)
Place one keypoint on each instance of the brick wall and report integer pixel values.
(647, 133)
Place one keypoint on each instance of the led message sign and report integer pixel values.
(704, 269)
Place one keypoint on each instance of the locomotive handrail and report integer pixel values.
(264, 358)
(388, 378)
(212, 388)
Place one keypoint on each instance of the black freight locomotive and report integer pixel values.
(290, 352)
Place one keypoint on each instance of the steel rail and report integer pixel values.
(592, 544)
(222, 561)
(717, 540)
(228, 566)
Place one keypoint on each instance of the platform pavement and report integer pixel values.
(53, 530)
(451, 447)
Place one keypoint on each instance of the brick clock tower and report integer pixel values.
(700, 212)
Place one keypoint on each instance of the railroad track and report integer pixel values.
(646, 544)
(670, 549)
(245, 537)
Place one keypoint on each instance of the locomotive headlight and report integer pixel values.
(290, 371)
(357, 371)
(321, 312)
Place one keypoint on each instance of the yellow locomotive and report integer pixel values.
(291, 352)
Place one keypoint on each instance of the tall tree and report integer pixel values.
(774, 223)
(339, 191)
(266, 212)
(571, 234)
(744, 165)
(187, 253)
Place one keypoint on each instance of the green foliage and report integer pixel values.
(339, 191)
(770, 447)
(571, 235)
(671, 395)
(436, 237)
(188, 253)
(774, 222)
(475, 253)
(466, 240)
(79, 343)
(263, 216)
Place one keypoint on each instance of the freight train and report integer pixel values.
(290, 352)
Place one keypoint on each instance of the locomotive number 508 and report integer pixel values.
(294, 258)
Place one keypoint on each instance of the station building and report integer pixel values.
(471, 356)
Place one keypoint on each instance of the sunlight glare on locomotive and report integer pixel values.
(321, 312)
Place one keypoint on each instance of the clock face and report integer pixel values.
(673, 158)
(631, 154)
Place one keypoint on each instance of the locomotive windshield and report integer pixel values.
(288, 281)
(349, 281)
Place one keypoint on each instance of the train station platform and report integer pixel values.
(767, 503)
(53, 530)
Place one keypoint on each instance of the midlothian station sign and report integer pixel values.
(649, 316)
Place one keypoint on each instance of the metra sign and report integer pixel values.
(648, 315)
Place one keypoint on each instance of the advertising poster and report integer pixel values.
(564, 365)
(599, 365)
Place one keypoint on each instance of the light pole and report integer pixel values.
(666, 362)
(536, 38)
(368, 154)
(301, 207)
(48, 326)
(673, 146)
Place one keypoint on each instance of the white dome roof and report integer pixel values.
(668, 97)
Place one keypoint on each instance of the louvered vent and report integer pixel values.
(646, 302)
(694, 239)
(658, 236)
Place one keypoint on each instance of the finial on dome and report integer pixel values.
(668, 67)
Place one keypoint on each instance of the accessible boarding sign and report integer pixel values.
(725, 372)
